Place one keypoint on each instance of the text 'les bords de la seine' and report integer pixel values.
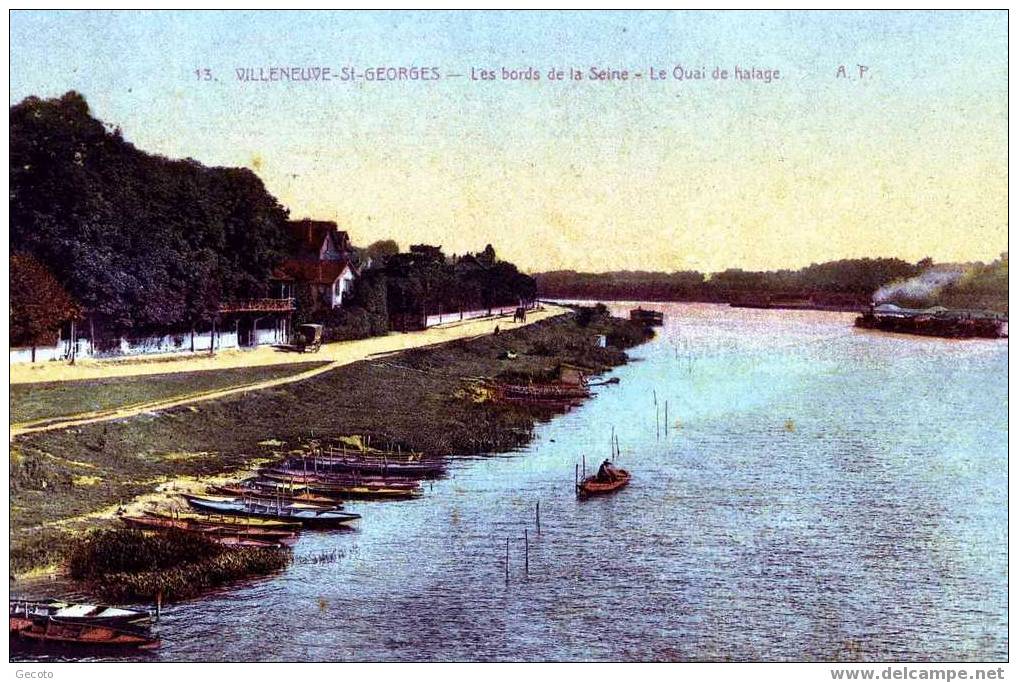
(348, 74)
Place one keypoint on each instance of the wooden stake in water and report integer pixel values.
(537, 513)
(666, 417)
(507, 561)
(526, 553)
(159, 604)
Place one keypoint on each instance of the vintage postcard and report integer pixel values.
(510, 336)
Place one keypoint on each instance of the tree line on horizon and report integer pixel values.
(847, 283)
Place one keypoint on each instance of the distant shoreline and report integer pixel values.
(831, 308)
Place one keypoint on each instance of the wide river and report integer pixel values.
(818, 493)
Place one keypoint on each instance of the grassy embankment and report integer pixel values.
(41, 401)
(416, 398)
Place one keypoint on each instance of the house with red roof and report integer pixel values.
(322, 260)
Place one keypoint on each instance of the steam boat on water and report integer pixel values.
(937, 321)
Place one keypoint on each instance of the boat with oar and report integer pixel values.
(593, 485)
(222, 521)
(23, 613)
(69, 631)
(229, 534)
(309, 518)
(288, 495)
(608, 478)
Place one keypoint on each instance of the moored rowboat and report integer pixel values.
(227, 534)
(354, 465)
(285, 478)
(281, 493)
(232, 522)
(311, 518)
(62, 631)
(23, 613)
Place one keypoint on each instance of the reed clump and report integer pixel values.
(123, 565)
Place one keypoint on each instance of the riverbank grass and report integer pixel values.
(129, 566)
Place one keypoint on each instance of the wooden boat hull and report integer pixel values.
(227, 534)
(297, 476)
(389, 469)
(232, 522)
(309, 518)
(351, 490)
(590, 486)
(87, 634)
(272, 495)
(30, 611)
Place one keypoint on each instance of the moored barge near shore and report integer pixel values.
(938, 321)
(651, 318)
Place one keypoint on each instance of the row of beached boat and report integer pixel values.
(301, 492)
(268, 510)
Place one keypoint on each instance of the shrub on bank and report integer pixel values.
(123, 565)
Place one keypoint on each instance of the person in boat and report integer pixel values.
(607, 472)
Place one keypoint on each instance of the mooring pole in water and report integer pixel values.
(583, 458)
(537, 513)
(576, 477)
(526, 553)
(159, 604)
(666, 417)
(507, 561)
(657, 416)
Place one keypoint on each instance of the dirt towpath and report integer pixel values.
(336, 354)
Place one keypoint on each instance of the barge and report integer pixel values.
(938, 321)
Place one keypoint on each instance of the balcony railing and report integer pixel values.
(257, 305)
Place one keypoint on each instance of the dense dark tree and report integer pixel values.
(381, 250)
(139, 240)
(424, 280)
(38, 304)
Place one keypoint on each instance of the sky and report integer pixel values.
(908, 161)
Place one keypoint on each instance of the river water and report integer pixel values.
(819, 493)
